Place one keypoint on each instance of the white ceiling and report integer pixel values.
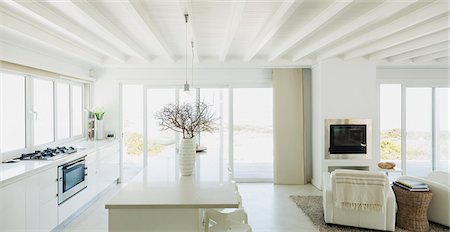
(263, 33)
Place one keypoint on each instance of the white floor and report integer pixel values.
(268, 206)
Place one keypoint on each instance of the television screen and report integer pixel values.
(348, 139)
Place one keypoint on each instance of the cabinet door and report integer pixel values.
(32, 202)
(48, 215)
(12, 207)
(109, 168)
(48, 199)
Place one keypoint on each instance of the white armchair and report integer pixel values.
(378, 220)
(439, 184)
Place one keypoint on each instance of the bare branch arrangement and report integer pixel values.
(188, 119)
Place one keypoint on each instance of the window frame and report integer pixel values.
(411, 83)
(29, 119)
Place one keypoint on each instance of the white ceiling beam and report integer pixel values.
(429, 57)
(237, 8)
(421, 15)
(310, 27)
(443, 59)
(425, 41)
(383, 11)
(75, 31)
(104, 22)
(186, 7)
(274, 23)
(35, 32)
(401, 37)
(136, 7)
(420, 52)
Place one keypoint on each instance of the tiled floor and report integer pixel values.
(268, 206)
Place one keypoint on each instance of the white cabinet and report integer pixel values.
(103, 170)
(109, 168)
(12, 207)
(30, 204)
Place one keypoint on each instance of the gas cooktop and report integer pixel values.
(48, 154)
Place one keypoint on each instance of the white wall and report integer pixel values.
(343, 89)
(420, 77)
(106, 88)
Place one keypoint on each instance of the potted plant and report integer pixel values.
(188, 120)
(99, 113)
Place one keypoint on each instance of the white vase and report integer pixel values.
(186, 156)
(99, 133)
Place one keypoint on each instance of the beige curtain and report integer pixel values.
(288, 104)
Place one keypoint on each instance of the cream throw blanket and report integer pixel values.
(360, 190)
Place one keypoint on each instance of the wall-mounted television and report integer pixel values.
(348, 139)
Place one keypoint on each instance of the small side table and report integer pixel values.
(392, 170)
(412, 209)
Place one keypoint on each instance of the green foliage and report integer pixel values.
(391, 144)
(390, 150)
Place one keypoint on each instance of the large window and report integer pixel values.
(12, 108)
(43, 111)
(390, 123)
(37, 111)
(250, 153)
(63, 110)
(253, 133)
(417, 119)
(419, 131)
(77, 110)
(159, 142)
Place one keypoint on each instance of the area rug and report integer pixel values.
(312, 207)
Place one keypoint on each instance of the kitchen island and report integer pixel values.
(159, 199)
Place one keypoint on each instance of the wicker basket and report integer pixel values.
(412, 209)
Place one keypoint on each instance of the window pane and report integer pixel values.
(133, 126)
(418, 131)
(443, 129)
(253, 139)
(159, 142)
(390, 123)
(43, 108)
(63, 111)
(216, 142)
(12, 107)
(188, 97)
(77, 110)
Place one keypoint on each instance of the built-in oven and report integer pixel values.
(72, 178)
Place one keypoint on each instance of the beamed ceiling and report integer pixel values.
(266, 33)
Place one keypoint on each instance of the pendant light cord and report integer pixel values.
(186, 18)
(192, 82)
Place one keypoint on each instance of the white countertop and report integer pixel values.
(161, 186)
(12, 172)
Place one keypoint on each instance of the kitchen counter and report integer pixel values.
(12, 172)
(159, 195)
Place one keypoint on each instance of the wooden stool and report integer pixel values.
(412, 209)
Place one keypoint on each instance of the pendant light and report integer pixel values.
(186, 84)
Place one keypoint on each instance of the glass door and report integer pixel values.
(132, 129)
(253, 134)
(216, 142)
(419, 131)
(161, 144)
